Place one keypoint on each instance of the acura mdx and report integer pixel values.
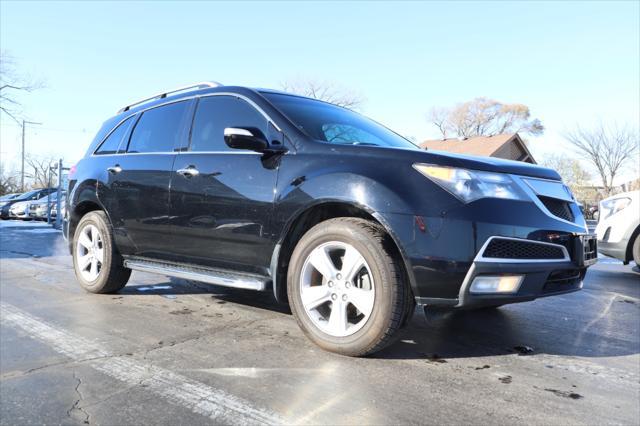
(350, 223)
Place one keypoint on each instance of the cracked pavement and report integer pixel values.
(167, 351)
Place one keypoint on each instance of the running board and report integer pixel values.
(195, 273)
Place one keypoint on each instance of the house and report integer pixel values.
(509, 146)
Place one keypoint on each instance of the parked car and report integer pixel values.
(6, 199)
(618, 228)
(346, 220)
(39, 209)
(36, 194)
(54, 208)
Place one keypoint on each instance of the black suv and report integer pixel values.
(349, 222)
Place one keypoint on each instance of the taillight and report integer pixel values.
(72, 170)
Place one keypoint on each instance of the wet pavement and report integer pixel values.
(167, 351)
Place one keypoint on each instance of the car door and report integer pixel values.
(220, 213)
(137, 197)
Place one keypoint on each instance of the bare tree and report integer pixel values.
(11, 85)
(324, 91)
(484, 117)
(573, 175)
(608, 148)
(9, 180)
(38, 170)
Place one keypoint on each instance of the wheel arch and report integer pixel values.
(628, 254)
(305, 219)
(86, 202)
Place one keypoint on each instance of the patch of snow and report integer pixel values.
(23, 224)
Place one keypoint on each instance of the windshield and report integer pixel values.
(8, 197)
(27, 195)
(329, 123)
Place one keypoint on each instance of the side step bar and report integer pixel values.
(207, 275)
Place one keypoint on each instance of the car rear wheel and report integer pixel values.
(97, 263)
(636, 250)
(346, 287)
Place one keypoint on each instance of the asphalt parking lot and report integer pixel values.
(167, 351)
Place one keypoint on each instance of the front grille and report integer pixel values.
(559, 208)
(502, 248)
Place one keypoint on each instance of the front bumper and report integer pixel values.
(443, 254)
(540, 279)
(541, 276)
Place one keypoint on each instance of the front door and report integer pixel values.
(221, 211)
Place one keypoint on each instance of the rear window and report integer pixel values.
(112, 142)
(159, 129)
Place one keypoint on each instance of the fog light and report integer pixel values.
(503, 284)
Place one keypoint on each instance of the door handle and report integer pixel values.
(188, 172)
(114, 169)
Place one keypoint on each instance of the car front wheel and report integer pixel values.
(347, 288)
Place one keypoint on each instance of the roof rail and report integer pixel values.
(201, 85)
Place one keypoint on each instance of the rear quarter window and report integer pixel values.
(112, 142)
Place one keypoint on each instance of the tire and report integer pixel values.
(379, 287)
(636, 250)
(110, 275)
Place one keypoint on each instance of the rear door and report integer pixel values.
(220, 215)
(139, 177)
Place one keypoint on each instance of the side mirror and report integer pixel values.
(243, 139)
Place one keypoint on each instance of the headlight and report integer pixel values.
(471, 185)
(613, 206)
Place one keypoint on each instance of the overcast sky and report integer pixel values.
(570, 62)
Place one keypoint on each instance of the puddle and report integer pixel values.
(565, 394)
(183, 311)
(505, 379)
(434, 358)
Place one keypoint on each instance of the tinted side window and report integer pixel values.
(217, 112)
(111, 144)
(159, 129)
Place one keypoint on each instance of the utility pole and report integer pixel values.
(24, 122)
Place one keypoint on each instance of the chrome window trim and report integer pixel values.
(113, 129)
(246, 99)
(239, 152)
(205, 95)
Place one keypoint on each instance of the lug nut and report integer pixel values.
(347, 284)
(344, 297)
(330, 283)
(334, 296)
(339, 276)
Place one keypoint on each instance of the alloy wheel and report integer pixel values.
(90, 252)
(336, 288)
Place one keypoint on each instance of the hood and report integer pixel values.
(442, 158)
(492, 164)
